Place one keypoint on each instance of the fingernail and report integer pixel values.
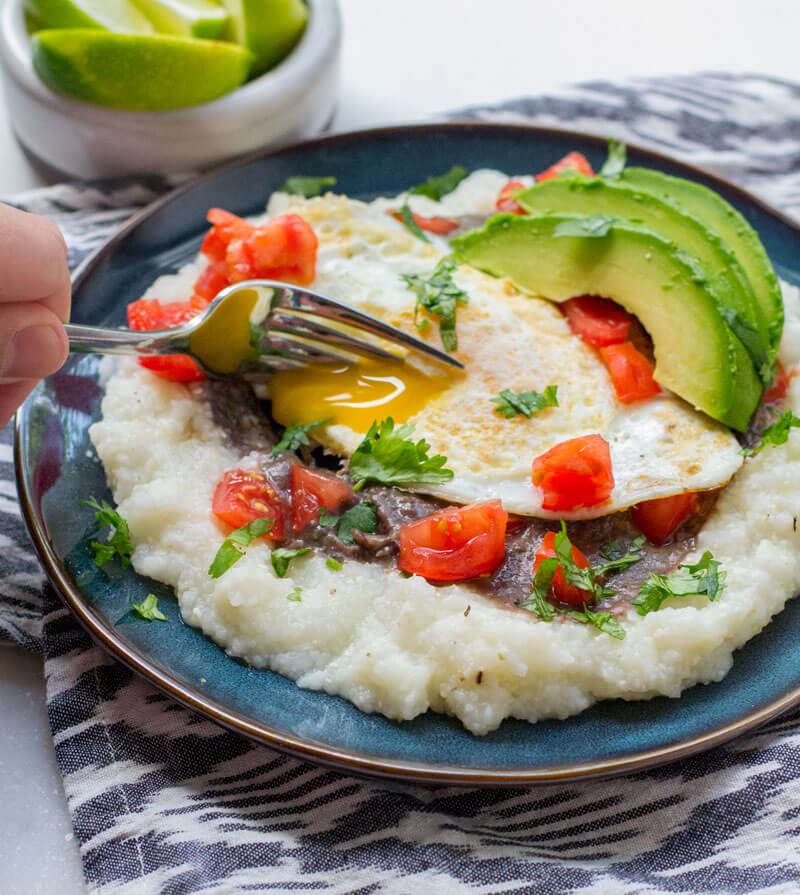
(33, 352)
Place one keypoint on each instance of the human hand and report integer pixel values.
(34, 304)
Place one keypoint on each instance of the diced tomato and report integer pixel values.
(598, 321)
(630, 372)
(227, 227)
(242, 496)
(576, 473)
(456, 543)
(559, 588)
(575, 160)
(312, 490)
(284, 248)
(506, 201)
(442, 226)
(658, 519)
(776, 393)
(212, 281)
(150, 313)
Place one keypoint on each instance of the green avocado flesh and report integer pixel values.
(709, 207)
(137, 71)
(560, 256)
(584, 195)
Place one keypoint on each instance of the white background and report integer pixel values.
(402, 61)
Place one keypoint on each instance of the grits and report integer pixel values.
(400, 646)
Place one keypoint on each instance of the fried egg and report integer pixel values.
(506, 340)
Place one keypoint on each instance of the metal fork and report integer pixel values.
(254, 328)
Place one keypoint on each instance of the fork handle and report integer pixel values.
(103, 340)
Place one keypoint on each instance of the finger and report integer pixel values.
(33, 343)
(33, 261)
(11, 396)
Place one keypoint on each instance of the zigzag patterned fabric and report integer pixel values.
(165, 802)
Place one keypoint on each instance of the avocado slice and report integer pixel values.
(561, 256)
(586, 195)
(709, 207)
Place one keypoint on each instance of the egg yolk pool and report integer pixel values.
(352, 395)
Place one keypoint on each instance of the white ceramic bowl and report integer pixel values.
(293, 101)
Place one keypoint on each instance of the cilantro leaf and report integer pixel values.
(407, 217)
(702, 578)
(363, 517)
(232, 548)
(619, 557)
(526, 403)
(148, 609)
(438, 295)
(749, 336)
(572, 572)
(614, 165)
(777, 433)
(119, 544)
(296, 436)
(537, 602)
(307, 187)
(603, 621)
(389, 456)
(334, 564)
(294, 595)
(436, 187)
(592, 225)
(282, 556)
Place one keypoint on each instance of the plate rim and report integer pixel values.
(345, 760)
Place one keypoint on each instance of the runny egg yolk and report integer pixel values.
(353, 396)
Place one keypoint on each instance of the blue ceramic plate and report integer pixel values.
(57, 467)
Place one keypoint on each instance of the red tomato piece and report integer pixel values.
(150, 313)
(442, 226)
(576, 473)
(312, 490)
(575, 160)
(559, 588)
(630, 372)
(658, 519)
(456, 543)
(227, 227)
(212, 281)
(776, 393)
(506, 201)
(284, 248)
(242, 496)
(598, 321)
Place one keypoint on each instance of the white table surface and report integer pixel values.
(402, 61)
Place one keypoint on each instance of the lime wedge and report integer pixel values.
(270, 28)
(140, 72)
(188, 18)
(111, 15)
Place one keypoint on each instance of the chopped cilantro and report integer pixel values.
(615, 163)
(307, 187)
(294, 595)
(119, 544)
(777, 433)
(619, 557)
(282, 556)
(363, 517)
(436, 187)
(438, 295)
(407, 217)
(592, 225)
(232, 548)
(749, 336)
(334, 564)
(148, 609)
(389, 456)
(603, 621)
(296, 436)
(526, 403)
(537, 602)
(702, 578)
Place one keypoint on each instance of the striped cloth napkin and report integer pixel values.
(164, 801)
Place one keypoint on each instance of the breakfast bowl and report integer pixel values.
(292, 101)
